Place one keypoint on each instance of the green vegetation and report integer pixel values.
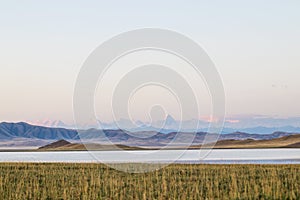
(97, 181)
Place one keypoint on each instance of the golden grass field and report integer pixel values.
(177, 181)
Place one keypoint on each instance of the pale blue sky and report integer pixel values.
(254, 44)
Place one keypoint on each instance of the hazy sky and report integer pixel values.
(254, 44)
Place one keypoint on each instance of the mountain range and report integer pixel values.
(25, 135)
(169, 124)
(290, 141)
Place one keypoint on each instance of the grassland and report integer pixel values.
(97, 181)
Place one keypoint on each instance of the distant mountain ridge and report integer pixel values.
(169, 124)
(291, 141)
(25, 132)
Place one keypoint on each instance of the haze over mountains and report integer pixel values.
(248, 124)
(24, 134)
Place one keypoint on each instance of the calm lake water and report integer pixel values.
(216, 156)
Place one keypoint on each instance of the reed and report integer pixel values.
(177, 181)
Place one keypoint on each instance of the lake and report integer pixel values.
(215, 156)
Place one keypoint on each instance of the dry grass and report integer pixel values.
(97, 181)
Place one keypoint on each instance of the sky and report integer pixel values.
(254, 44)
